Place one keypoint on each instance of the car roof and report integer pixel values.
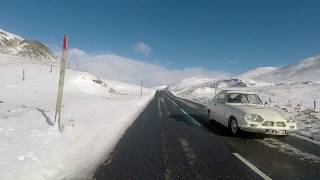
(237, 91)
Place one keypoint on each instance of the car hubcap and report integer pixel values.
(234, 126)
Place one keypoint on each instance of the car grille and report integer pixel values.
(280, 124)
(268, 123)
(271, 124)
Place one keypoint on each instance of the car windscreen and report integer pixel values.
(243, 98)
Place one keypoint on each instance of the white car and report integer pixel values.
(244, 111)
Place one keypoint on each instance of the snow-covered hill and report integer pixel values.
(189, 83)
(194, 88)
(96, 112)
(16, 45)
(204, 87)
(304, 70)
(252, 74)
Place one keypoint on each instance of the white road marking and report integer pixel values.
(173, 102)
(304, 138)
(168, 172)
(165, 107)
(251, 166)
(196, 102)
(194, 121)
(191, 156)
(187, 103)
(167, 92)
(289, 149)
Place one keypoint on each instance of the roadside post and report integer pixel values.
(23, 74)
(314, 105)
(141, 83)
(215, 87)
(63, 62)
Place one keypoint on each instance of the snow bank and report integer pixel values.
(95, 118)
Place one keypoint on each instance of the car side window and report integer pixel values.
(221, 98)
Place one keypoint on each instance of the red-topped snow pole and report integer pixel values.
(65, 42)
(63, 63)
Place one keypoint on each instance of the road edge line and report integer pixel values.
(251, 166)
(195, 121)
(186, 99)
(174, 103)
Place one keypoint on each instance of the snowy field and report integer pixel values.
(285, 97)
(95, 117)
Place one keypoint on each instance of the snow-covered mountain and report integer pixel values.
(303, 74)
(198, 87)
(195, 83)
(32, 49)
(190, 83)
(252, 74)
(304, 70)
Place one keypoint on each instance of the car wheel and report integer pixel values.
(233, 126)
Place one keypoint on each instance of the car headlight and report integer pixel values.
(253, 118)
(290, 118)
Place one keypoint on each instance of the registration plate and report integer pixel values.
(275, 132)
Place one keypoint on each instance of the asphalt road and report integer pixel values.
(172, 139)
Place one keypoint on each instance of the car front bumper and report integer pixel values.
(261, 129)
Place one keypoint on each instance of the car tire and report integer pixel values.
(233, 126)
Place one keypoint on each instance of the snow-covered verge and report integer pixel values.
(95, 117)
(286, 97)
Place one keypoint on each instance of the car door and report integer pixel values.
(219, 108)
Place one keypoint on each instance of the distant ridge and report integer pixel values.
(33, 49)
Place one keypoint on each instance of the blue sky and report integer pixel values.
(226, 35)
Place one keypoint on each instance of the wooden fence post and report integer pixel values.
(23, 75)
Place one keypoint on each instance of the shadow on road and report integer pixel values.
(184, 119)
(221, 130)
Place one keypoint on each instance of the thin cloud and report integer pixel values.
(142, 48)
(120, 68)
